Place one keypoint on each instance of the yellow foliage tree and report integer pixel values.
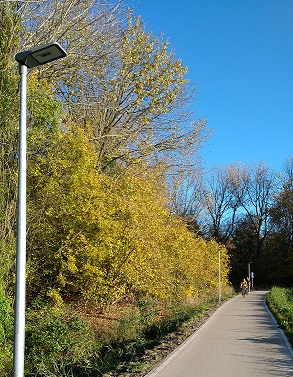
(106, 237)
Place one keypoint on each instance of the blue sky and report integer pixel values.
(239, 53)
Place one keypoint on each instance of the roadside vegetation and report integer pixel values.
(111, 266)
(126, 230)
(280, 302)
(78, 340)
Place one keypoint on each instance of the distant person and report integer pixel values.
(243, 287)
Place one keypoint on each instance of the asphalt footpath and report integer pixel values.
(241, 339)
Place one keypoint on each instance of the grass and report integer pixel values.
(280, 302)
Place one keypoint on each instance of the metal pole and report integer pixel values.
(248, 276)
(19, 318)
(219, 275)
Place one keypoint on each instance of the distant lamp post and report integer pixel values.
(252, 277)
(26, 59)
(249, 277)
(219, 276)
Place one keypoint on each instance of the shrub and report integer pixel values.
(58, 343)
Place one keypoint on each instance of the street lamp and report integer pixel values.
(219, 276)
(249, 263)
(26, 59)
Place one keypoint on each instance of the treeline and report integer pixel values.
(248, 208)
(110, 134)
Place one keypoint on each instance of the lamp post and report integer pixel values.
(26, 59)
(219, 276)
(249, 263)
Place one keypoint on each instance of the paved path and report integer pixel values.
(240, 340)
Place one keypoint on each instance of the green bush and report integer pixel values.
(57, 344)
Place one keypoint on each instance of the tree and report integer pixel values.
(242, 250)
(9, 29)
(9, 103)
(88, 29)
(123, 81)
(254, 188)
(280, 243)
(221, 204)
(185, 190)
(103, 238)
(138, 104)
(119, 108)
(282, 209)
(144, 96)
(238, 203)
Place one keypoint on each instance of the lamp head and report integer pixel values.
(40, 55)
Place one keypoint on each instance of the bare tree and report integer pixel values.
(186, 195)
(221, 204)
(255, 187)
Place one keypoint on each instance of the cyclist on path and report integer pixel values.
(243, 286)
